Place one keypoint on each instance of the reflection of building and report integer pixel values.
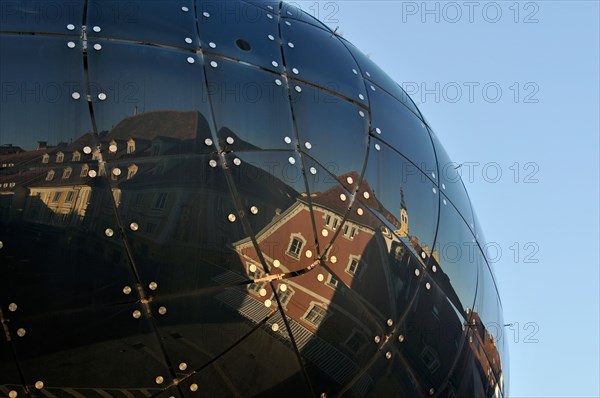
(155, 247)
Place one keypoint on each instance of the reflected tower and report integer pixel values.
(203, 198)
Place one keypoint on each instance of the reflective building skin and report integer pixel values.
(227, 199)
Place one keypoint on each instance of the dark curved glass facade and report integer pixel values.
(227, 199)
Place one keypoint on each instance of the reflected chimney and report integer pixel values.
(42, 144)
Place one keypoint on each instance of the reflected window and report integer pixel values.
(70, 196)
(76, 156)
(284, 297)
(45, 158)
(315, 315)
(50, 175)
(335, 224)
(56, 197)
(151, 228)
(67, 173)
(131, 146)
(296, 244)
(356, 341)
(131, 171)
(353, 265)
(332, 281)
(254, 273)
(159, 202)
(96, 155)
(84, 170)
(349, 231)
(60, 157)
(430, 358)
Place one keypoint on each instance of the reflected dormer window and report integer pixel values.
(131, 146)
(84, 170)
(60, 157)
(50, 175)
(67, 173)
(131, 171)
(96, 155)
(76, 156)
(45, 158)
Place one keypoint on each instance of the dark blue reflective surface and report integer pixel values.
(227, 199)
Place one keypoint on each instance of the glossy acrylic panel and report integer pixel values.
(331, 130)
(181, 227)
(292, 12)
(423, 348)
(251, 106)
(395, 124)
(252, 36)
(127, 80)
(41, 76)
(160, 22)
(455, 258)
(78, 339)
(41, 16)
(327, 64)
(374, 75)
(399, 193)
(451, 182)
(487, 322)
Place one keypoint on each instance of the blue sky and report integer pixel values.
(517, 89)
